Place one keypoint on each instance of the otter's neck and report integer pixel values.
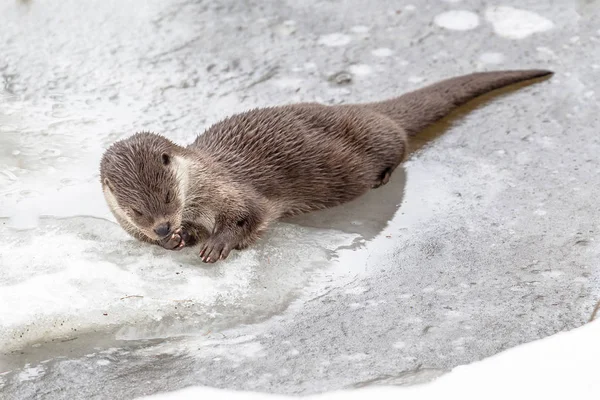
(203, 180)
(183, 169)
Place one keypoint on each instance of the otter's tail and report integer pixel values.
(416, 110)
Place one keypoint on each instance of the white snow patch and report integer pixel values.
(30, 373)
(514, 23)
(399, 345)
(360, 29)
(335, 40)
(552, 274)
(87, 274)
(287, 28)
(457, 20)
(360, 69)
(557, 367)
(356, 290)
(382, 52)
(24, 220)
(455, 314)
(415, 79)
(237, 349)
(354, 357)
(288, 83)
(103, 362)
(546, 51)
(492, 58)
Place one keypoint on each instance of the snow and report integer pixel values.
(457, 20)
(514, 23)
(558, 367)
(361, 29)
(82, 274)
(467, 236)
(360, 69)
(492, 58)
(382, 52)
(334, 39)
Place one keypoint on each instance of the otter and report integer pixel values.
(252, 168)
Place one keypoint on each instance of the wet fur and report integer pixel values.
(255, 167)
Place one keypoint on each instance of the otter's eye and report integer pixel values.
(136, 212)
(168, 198)
(166, 159)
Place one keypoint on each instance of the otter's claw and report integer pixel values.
(215, 249)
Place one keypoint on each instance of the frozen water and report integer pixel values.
(457, 20)
(382, 52)
(50, 157)
(553, 368)
(73, 275)
(492, 58)
(335, 39)
(514, 23)
(360, 69)
(451, 262)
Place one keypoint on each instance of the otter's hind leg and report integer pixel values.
(383, 178)
(394, 151)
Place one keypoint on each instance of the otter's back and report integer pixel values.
(308, 155)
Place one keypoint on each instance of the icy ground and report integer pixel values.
(558, 367)
(487, 239)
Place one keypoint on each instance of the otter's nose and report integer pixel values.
(163, 229)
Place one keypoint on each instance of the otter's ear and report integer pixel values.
(166, 159)
(107, 184)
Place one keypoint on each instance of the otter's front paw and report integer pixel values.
(186, 238)
(174, 242)
(215, 248)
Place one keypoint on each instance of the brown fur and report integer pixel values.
(255, 167)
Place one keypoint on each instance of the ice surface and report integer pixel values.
(562, 366)
(515, 23)
(485, 240)
(457, 20)
(75, 275)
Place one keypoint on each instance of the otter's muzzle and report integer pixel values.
(163, 230)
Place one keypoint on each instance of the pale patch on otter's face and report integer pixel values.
(114, 206)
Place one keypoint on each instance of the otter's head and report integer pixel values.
(144, 179)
